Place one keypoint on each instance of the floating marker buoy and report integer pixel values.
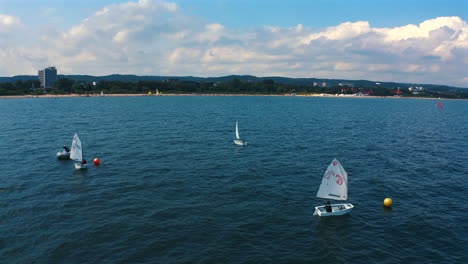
(97, 162)
(388, 202)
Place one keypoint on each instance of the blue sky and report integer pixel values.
(248, 13)
(413, 41)
(322, 13)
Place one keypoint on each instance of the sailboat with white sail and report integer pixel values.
(334, 186)
(239, 141)
(76, 153)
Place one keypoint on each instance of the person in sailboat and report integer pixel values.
(328, 207)
(66, 148)
(83, 162)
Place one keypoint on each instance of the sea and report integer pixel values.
(172, 186)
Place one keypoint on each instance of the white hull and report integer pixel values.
(240, 142)
(80, 166)
(337, 209)
(63, 155)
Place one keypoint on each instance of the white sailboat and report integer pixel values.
(76, 153)
(102, 93)
(334, 186)
(238, 141)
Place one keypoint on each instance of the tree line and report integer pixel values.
(235, 86)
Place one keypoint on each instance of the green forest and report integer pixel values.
(175, 86)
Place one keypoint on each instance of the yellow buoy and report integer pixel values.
(388, 202)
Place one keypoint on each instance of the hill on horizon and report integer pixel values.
(244, 78)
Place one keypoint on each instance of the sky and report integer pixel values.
(400, 40)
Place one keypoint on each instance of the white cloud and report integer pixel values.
(8, 21)
(344, 66)
(156, 37)
(346, 30)
(423, 30)
(121, 36)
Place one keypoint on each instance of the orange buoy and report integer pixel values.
(97, 162)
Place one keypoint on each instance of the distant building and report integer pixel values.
(416, 90)
(324, 84)
(48, 77)
(171, 80)
(315, 84)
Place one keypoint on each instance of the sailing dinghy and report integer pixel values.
(76, 153)
(64, 154)
(238, 141)
(334, 186)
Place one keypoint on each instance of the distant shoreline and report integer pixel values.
(311, 95)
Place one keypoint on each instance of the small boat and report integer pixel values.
(76, 153)
(238, 141)
(64, 154)
(334, 186)
(102, 93)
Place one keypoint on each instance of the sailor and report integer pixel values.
(328, 207)
(66, 148)
(83, 162)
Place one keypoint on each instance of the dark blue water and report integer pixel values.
(174, 188)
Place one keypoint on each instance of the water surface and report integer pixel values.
(173, 187)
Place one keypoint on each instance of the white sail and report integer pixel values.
(237, 131)
(334, 182)
(76, 152)
(102, 93)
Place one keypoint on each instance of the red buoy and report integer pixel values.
(97, 162)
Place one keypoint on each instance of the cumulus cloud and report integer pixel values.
(8, 22)
(158, 38)
(346, 30)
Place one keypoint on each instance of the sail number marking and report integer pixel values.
(329, 174)
(339, 181)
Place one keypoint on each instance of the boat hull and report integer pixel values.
(337, 209)
(80, 166)
(240, 142)
(63, 155)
